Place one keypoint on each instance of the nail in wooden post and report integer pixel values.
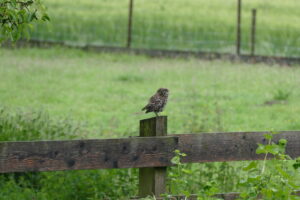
(238, 32)
(253, 30)
(152, 181)
(129, 24)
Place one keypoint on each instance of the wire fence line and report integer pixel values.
(167, 33)
(163, 40)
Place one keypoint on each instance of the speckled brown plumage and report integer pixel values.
(158, 101)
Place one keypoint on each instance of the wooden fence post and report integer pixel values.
(253, 30)
(129, 28)
(152, 181)
(238, 28)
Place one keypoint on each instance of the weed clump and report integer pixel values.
(280, 96)
(35, 125)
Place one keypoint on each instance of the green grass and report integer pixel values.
(63, 93)
(175, 24)
(105, 91)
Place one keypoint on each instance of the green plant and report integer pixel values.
(78, 185)
(281, 95)
(270, 180)
(178, 180)
(276, 182)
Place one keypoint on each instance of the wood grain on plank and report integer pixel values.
(86, 154)
(137, 151)
(236, 146)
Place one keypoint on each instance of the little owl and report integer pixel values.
(158, 101)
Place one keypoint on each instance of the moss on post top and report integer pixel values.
(155, 126)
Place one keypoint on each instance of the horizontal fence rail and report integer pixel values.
(152, 152)
(86, 154)
(136, 152)
(235, 146)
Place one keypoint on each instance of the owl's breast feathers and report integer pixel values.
(156, 103)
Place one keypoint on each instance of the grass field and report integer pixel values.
(106, 91)
(63, 93)
(175, 24)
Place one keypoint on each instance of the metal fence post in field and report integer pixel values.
(238, 31)
(253, 31)
(129, 29)
(152, 181)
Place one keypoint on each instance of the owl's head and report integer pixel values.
(164, 92)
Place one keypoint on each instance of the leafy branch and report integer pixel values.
(16, 17)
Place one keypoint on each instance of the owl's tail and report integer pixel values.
(146, 108)
(139, 113)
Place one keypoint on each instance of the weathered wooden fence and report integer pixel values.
(151, 152)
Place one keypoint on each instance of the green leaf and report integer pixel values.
(186, 193)
(32, 16)
(243, 195)
(282, 142)
(261, 149)
(175, 160)
(182, 154)
(187, 171)
(45, 17)
(282, 173)
(296, 165)
(253, 178)
(176, 151)
(268, 136)
(251, 165)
